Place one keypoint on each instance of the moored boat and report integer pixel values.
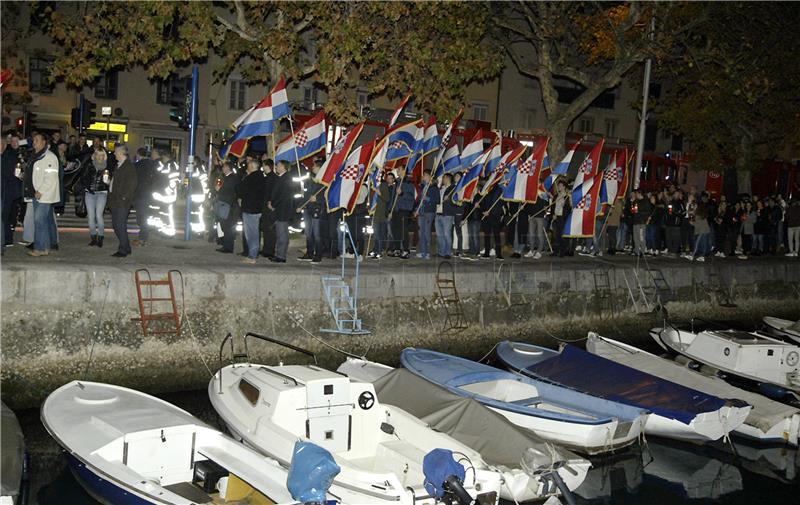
(748, 355)
(13, 487)
(379, 448)
(783, 328)
(675, 411)
(570, 418)
(768, 421)
(129, 448)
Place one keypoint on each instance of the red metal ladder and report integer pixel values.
(147, 315)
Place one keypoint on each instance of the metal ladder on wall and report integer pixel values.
(167, 320)
(505, 284)
(602, 288)
(454, 316)
(342, 303)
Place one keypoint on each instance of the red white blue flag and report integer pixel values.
(523, 184)
(474, 150)
(449, 158)
(343, 191)
(585, 193)
(560, 169)
(499, 171)
(399, 110)
(307, 141)
(338, 156)
(612, 176)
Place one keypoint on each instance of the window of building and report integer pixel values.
(362, 98)
(106, 85)
(611, 127)
(586, 125)
(480, 111)
(310, 98)
(39, 75)
(171, 91)
(529, 118)
(665, 134)
(238, 94)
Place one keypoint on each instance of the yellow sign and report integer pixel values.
(112, 127)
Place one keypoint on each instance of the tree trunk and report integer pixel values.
(556, 148)
(744, 168)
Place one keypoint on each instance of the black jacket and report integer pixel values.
(282, 198)
(448, 207)
(227, 192)
(123, 186)
(675, 211)
(147, 176)
(313, 189)
(252, 192)
(93, 179)
(11, 185)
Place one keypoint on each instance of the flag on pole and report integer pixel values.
(280, 100)
(337, 158)
(493, 158)
(307, 141)
(466, 187)
(430, 141)
(473, 150)
(259, 119)
(399, 110)
(589, 168)
(236, 147)
(347, 182)
(561, 168)
(624, 163)
(402, 139)
(610, 184)
(498, 173)
(448, 159)
(417, 149)
(523, 183)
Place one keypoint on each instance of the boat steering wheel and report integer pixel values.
(366, 400)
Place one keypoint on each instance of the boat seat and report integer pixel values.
(405, 450)
(531, 400)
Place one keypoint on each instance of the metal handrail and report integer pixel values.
(282, 343)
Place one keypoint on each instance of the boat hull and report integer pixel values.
(781, 328)
(103, 490)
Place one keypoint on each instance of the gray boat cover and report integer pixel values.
(499, 442)
(764, 415)
(11, 453)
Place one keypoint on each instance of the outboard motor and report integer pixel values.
(444, 478)
(311, 474)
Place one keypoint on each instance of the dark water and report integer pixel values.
(662, 473)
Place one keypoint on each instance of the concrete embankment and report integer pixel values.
(62, 322)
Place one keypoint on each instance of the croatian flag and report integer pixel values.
(337, 158)
(584, 197)
(430, 141)
(307, 141)
(499, 172)
(523, 184)
(347, 183)
(402, 139)
(561, 168)
(236, 147)
(466, 187)
(399, 110)
(610, 184)
(588, 170)
(473, 150)
(260, 119)
(449, 158)
(493, 158)
(417, 149)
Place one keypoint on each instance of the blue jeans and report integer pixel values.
(95, 205)
(474, 229)
(536, 234)
(444, 235)
(701, 247)
(250, 226)
(425, 222)
(622, 236)
(313, 232)
(652, 236)
(380, 231)
(42, 219)
(281, 239)
(758, 243)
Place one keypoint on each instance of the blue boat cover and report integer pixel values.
(437, 466)
(598, 376)
(311, 473)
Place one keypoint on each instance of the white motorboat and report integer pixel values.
(129, 448)
(748, 355)
(379, 448)
(768, 421)
(783, 328)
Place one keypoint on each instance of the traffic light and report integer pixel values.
(75, 118)
(89, 111)
(20, 123)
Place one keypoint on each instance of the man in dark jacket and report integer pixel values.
(268, 215)
(282, 203)
(120, 198)
(312, 214)
(226, 208)
(673, 221)
(400, 214)
(252, 195)
(493, 222)
(11, 189)
(426, 214)
(146, 177)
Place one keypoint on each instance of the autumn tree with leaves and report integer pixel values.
(733, 88)
(434, 49)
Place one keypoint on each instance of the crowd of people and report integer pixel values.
(263, 200)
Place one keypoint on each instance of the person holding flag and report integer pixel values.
(380, 213)
(445, 218)
(403, 198)
(426, 214)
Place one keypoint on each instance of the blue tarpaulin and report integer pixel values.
(437, 466)
(311, 474)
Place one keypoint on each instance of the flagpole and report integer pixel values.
(517, 213)
(303, 206)
(475, 206)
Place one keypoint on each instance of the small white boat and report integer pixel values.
(526, 460)
(769, 421)
(129, 448)
(13, 466)
(783, 328)
(748, 355)
(379, 448)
